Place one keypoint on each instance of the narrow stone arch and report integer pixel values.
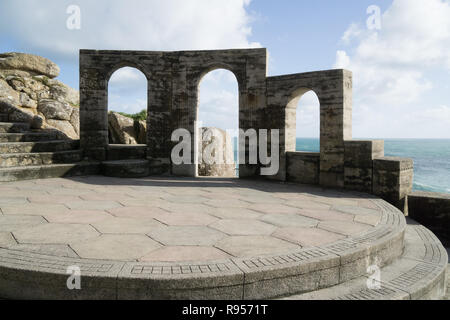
(114, 138)
(209, 70)
(124, 64)
(290, 116)
(228, 150)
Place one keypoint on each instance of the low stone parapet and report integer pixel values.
(303, 167)
(431, 209)
(393, 180)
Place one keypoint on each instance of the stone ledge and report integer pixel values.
(417, 274)
(126, 168)
(433, 211)
(392, 164)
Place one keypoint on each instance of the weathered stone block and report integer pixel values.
(433, 211)
(358, 163)
(393, 180)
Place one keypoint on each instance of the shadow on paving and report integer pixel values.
(257, 184)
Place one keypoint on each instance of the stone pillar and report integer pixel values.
(93, 111)
(358, 170)
(335, 128)
(393, 180)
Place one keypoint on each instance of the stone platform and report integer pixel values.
(180, 238)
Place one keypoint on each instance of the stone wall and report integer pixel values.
(173, 80)
(303, 167)
(432, 210)
(334, 90)
(264, 103)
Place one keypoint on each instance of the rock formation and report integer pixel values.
(29, 93)
(216, 156)
(124, 130)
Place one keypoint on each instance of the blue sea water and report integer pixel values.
(431, 159)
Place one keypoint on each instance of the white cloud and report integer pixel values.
(342, 60)
(308, 116)
(118, 24)
(127, 90)
(395, 68)
(40, 28)
(352, 32)
(219, 100)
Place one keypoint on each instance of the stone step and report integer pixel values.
(420, 273)
(28, 136)
(126, 151)
(39, 146)
(43, 158)
(126, 168)
(49, 171)
(4, 117)
(14, 127)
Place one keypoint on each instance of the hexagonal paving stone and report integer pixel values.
(307, 237)
(243, 227)
(13, 201)
(116, 247)
(344, 227)
(51, 199)
(222, 196)
(35, 209)
(236, 213)
(127, 225)
(186, 219)
(262, 198)
(185, 253)
(289, 220)
(308, 204)
(103, 196)
(60, 250)
(79, 216)
(148, 202)
(10, 223)
(326, 215)
(55, 233)
(70, 192)
(186, 236)
(137, 212)
(249, 246)
(356, 210)
(92, 205)
(183, 208)
(182, 198)
(6, 239)
(227, 203)
(270, 208)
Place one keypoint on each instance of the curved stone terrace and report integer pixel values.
(189, 238)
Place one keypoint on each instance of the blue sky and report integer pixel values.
(401, 70)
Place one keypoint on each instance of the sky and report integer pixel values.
(398, 51)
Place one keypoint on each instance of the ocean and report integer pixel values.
(431, 159)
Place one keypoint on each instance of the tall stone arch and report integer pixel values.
(334, 90)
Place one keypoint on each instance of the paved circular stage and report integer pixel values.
(180, 238)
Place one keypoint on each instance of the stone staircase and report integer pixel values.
(419, 273)
(34, 154)
(126, 161)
